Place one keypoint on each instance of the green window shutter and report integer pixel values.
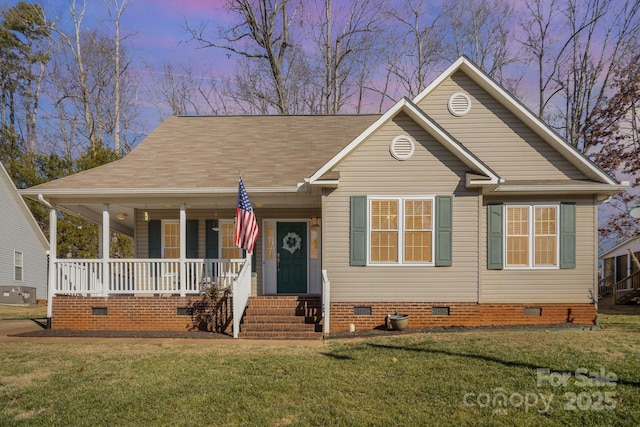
(495, 257)
(211, 239)
(192, 238)
(443, 255)
(155, 238)
(567, 235)
(358, 231)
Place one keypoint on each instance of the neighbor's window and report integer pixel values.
(228, 248)
(531, 236)
(17, 266)
(401, 230)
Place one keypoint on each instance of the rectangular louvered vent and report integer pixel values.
(362, 311)
(533, 311)
(440, 311)
(99, 311)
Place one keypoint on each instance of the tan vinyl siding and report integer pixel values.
(495, 135)
(546, 285)
(371, 170)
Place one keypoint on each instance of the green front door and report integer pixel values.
(291, 244)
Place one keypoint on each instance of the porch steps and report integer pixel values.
(627, 297)
(282, 317)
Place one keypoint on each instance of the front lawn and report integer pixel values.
(23, 311)
(531, 377)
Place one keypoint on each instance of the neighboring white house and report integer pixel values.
(620, 275)
(23, 248)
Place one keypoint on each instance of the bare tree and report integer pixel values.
(576, 45)
(177, 90)
(115, 15)
(344, 39)
(262, 38)
(91, 92)
(482, 30)
(590, 63)
(416, 47)
(539, 26)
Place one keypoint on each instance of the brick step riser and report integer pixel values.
(278, 304)
(262, 311)
(279, 319)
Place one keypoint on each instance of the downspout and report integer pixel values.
(53, 242)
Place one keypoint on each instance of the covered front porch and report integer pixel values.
(181, 250)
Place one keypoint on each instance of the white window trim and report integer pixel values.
(531, 236)
(21, 266)
(401, 231)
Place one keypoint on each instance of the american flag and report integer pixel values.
(246, 224)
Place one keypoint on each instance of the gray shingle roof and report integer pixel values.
(209, 151)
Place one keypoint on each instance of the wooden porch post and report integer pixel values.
(104, 245)
(183, 249)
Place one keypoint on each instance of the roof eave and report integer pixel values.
(132, 192)
(600, 190)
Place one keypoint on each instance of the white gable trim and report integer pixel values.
(522, 113)
(408, 107)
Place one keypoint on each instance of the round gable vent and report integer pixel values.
(459, 104)
(402, 147)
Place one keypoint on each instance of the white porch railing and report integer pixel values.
(142, 276)
(241, 294)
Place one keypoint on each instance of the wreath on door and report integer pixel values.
(292, 242)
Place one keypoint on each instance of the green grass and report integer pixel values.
(22, 312)
(418, 379)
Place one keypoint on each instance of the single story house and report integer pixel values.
(620, 273)
(459, 208)
(23, 249)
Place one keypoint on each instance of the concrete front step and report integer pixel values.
(294, 327)
(281, 335)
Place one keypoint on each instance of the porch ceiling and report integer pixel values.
(89, 206)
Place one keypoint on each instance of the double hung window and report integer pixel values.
(531, 233)
(401, 230)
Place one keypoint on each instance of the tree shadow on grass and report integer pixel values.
(485, 358)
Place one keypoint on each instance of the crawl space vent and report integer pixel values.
(440, 311)
(402, 147)
(459, 104)
(362, 311)
(533, 311)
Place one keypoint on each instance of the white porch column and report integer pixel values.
(53, 249)
(183, 249)
(104, 247)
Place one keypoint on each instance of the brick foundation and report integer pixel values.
(134, 313)
(461, 314)
(160, 313)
